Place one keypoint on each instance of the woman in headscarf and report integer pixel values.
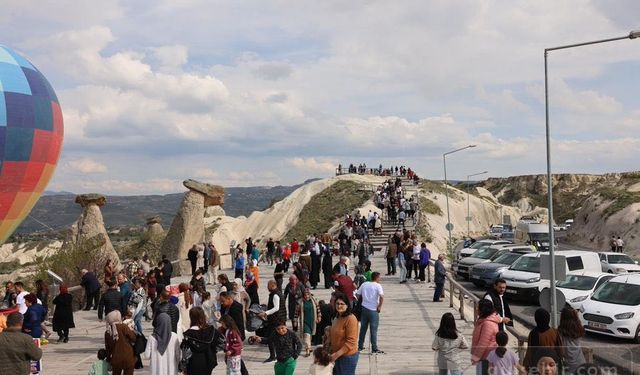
(118, 341)
(201, 339)
(308, 316)
(34, 316)
(240, 295)
(327, 267)
(163, 348)
(251, 286)
(293, 291)
(542, 337)
(63, 314)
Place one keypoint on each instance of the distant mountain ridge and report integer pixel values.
(58, 210)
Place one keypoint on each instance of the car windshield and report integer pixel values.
(620, 259)
(527, 264)
(484, 253)
(496, 230)
(542, 237)
(507, 235)
(618, 294)
(578, 282)
(507, 258)
(479, 245)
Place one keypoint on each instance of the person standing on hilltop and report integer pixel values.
(111, 300)
(271, 250)
(316, 256)
(327, 269)
(214, 263)
(167, 270)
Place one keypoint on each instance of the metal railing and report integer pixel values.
(459, 292)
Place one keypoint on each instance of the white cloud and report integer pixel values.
(87, 165)
(313, 164)
(577, 101)
(171, 56)
(207, 173)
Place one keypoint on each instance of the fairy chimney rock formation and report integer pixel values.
(154, 227)
(214, 211)
(187, 227)
(89, 230)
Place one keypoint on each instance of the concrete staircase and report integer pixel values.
(379, 241)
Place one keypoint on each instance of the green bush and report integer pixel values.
(332, 203)
(429, 206)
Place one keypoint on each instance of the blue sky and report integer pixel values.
(274, 92)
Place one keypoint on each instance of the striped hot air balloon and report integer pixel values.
(31, 132)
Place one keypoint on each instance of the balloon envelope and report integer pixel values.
(31, 131)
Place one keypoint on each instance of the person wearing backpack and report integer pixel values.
(198, 346)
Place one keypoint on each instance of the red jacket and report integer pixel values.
(295, 247)
(232, 343)
(345, 285)
(484, 337)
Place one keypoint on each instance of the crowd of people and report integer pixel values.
(362, 168)
(197, 323)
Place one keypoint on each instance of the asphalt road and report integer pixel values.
(611, 350)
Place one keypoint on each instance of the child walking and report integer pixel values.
(101, 366)
(232, 344)
(449, 343)
(322, 364)
(287, 346)
(501, 360)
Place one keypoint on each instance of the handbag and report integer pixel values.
(357, 308)
(185, 355)
(140, 345)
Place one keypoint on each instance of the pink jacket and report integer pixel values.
(484, 337)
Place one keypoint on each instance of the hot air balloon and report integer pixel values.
(31, 132)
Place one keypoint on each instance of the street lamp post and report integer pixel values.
(554, 303)
(446, 188)
(468, 204)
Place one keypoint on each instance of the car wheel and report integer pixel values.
(636, 339)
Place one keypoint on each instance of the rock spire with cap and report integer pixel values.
(187, 227)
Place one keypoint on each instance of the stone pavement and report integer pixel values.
(407, 324)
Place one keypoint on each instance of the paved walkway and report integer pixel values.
(407, 323)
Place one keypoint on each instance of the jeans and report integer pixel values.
(369, 318)
(443, 371)
(137, 320)
(482, 368)
(438, 292)
(346, 365)
(391, 266)
(403, 271)
(287, 367)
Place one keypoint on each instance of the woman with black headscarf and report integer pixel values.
(163, 348)
(541, 339)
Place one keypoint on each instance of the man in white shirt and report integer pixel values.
(20, 298)
(370, 296)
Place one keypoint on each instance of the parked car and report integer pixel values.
(614, 309)
(478, 245)
(559, 227)
(523, 277)
(507, 236)
(496, 231)
(578, 287)
(618, 263)
(484, 274)
(487, 255)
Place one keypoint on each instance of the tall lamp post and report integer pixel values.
(468, 204)
(446, 187)
(554, 303)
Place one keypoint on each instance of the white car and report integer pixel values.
(578, 287)
(618, 263)
(614, 309)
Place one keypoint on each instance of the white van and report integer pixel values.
(532, 234)
(523, 277)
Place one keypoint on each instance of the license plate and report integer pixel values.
(596, 325)
(511, 291)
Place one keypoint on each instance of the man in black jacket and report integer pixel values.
(91, 289)
(496, 295)
(165, 306)
(111, 300)
(167, 270)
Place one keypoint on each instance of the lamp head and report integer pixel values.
(470, 146)
(634, 34)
